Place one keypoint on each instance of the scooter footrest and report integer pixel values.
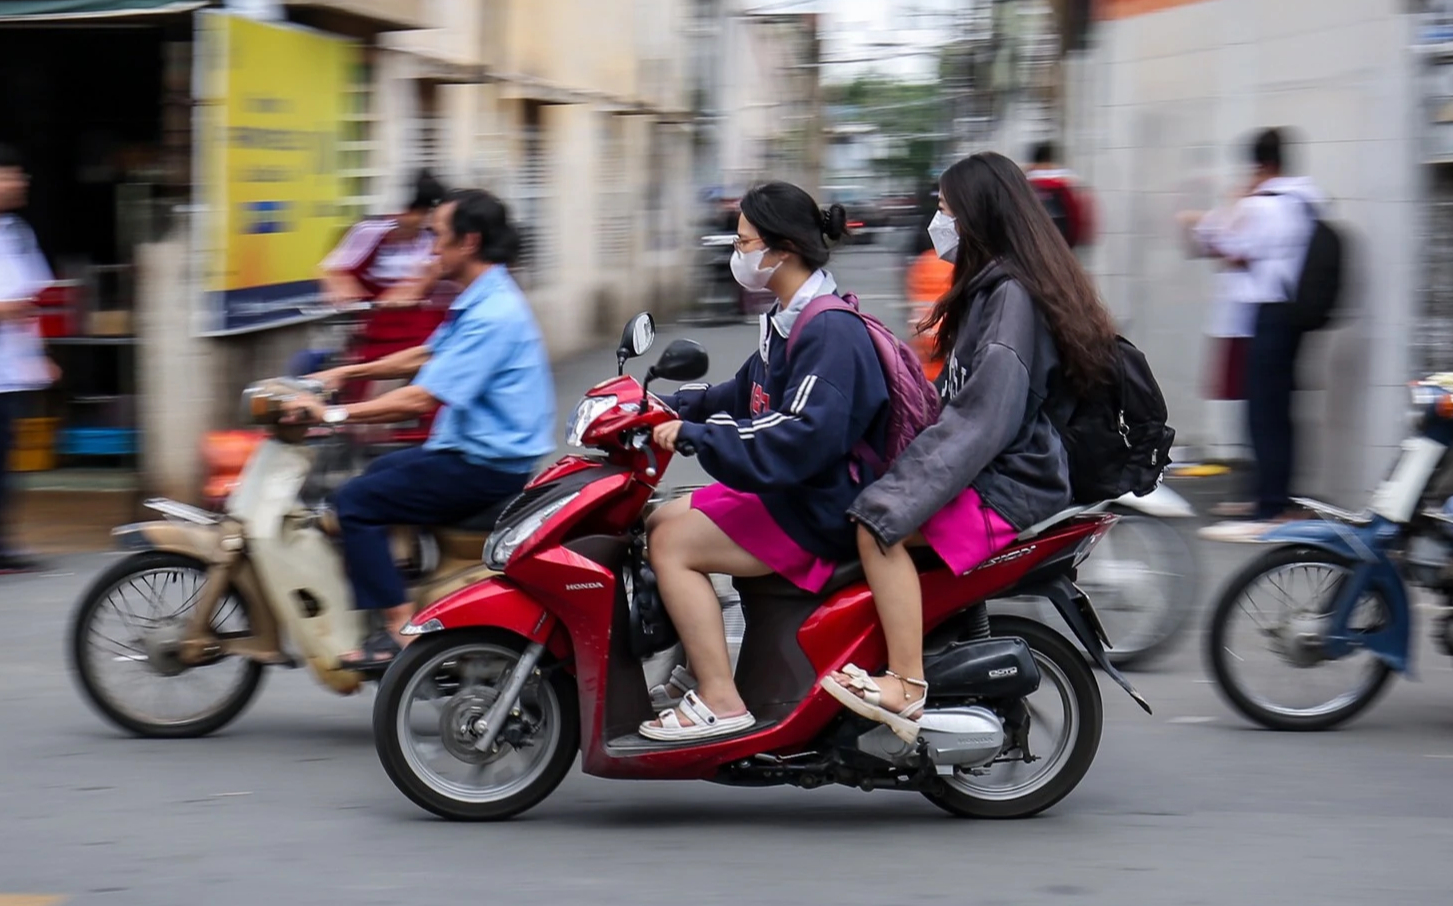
(636, 744)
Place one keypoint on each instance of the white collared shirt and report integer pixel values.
(1269, 232)
(23, 274)
(781, 318)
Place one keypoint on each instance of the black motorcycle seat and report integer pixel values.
(484, 520)
(846, 574)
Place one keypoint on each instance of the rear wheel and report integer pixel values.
(125, 638)
(1066, 717)
(427, 711)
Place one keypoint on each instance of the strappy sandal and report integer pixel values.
(704, 722)
(681, 682)
(904, 723)
(378, 652)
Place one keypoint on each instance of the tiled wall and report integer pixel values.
(1159, 112)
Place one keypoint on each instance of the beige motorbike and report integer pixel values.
(173, 640)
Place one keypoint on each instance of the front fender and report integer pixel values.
(1365, 547)
(494, 603)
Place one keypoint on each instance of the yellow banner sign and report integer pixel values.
(275, 99)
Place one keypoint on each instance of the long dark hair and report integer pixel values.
(1000, 218)
(790, 221)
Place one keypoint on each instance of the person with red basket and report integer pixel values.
(388, 263)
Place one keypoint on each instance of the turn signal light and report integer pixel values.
(1444, 406)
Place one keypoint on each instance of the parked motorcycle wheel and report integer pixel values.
(1292, 635)
(426, 707)
(1019, 790)
(1145, 581)
(145, 646)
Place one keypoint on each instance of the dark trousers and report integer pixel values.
(410, 487)
(1271, 378)
(9, 412)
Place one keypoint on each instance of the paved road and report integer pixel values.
(290, 806)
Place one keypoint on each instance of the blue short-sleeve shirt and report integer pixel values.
(490, 371)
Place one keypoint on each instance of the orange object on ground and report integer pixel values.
(929, 278)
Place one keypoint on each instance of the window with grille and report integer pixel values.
(532, 194)
(359, 144)
(615, 194)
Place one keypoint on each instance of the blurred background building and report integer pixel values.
(619, 131)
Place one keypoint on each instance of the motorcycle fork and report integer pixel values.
(229, 568)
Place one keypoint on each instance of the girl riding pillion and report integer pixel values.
(777, 437)
(1020, 328)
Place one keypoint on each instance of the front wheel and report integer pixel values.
(1265, 644)
(1066, 716)
(425, 725)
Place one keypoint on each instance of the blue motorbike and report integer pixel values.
(1311, 631)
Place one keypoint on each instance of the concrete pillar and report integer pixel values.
(174, 389)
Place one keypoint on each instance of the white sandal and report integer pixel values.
(704, 722)
(904, 723)
(681, 678)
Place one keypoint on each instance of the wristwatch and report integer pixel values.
(335, 415)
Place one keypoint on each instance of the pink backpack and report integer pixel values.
(912, 401)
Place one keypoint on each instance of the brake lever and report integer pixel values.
(642, 442)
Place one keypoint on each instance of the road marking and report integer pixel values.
(1190, 720)
(30, 899)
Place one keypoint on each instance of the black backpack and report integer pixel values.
(1117, 439)
(1318, 288)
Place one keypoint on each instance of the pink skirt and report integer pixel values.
(966, 532)
(744, 519)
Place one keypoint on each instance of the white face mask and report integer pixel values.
(747, 268)
(945, 235)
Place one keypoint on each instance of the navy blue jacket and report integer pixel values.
(783, 430)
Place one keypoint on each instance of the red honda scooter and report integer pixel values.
(480, 717)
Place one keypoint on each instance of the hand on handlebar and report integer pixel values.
(665, 435)
(303, 410)
(332, 379)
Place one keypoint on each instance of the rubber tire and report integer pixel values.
(1046, 641)
(86, 607)
(1175, 619)
(1216, 649)
(390, 750)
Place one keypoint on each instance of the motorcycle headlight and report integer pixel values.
(590, 409)
(507, 539)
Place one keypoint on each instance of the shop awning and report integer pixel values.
(82, 10)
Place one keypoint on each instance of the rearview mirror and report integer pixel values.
(683, 360)
(638, 336)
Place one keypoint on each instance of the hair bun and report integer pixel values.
(835, 222)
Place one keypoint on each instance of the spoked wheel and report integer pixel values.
(125, 639)
(1065, 719)
(1265, 644)
(427, 718)
(1144, 581)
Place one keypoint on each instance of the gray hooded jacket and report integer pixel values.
(993, 434)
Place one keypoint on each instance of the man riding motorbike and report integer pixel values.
(487, 366)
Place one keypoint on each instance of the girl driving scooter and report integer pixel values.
(777, 437)
(1020, 319)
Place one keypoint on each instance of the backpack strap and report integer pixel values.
(846, 302)
(862, 451)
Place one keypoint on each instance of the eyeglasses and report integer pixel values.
(740, 241)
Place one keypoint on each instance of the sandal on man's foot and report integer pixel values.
(378, 652)
(669, 694)
(704, 722)
(863, 696)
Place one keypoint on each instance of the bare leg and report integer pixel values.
(893, 579)
(684, 547)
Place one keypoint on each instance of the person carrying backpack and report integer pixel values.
(1293, 261)
(1063, 195)
(807, 422)
(1021, 324)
